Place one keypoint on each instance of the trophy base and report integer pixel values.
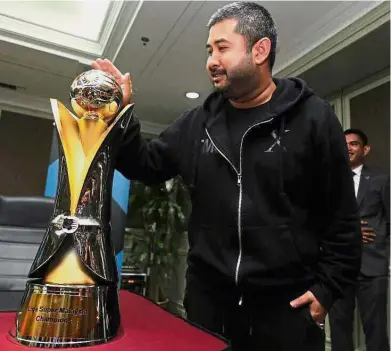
(64, 316)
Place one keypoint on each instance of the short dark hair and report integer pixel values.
(360, 133)
(254, 23)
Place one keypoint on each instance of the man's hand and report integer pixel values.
(122, 79)
(368, 234)
(317, 311)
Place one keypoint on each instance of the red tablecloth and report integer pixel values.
(145, 327)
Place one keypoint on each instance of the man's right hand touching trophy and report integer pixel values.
(122, 79)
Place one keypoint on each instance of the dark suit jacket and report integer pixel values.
(373, 200)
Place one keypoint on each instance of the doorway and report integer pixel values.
(367, 106)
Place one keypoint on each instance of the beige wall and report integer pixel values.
(25, 143)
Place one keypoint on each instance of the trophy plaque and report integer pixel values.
(71, 296)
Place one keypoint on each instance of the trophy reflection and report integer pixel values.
(71, 297)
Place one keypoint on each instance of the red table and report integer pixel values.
(145, 327)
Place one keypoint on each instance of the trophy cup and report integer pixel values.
(71, 297)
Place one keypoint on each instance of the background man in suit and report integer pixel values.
(373, 200)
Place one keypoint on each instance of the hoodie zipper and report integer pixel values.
(239, 182)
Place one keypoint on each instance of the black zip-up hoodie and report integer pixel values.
(299, 224)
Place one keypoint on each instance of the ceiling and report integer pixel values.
(39, 60)
(365, 57)
(59, 16)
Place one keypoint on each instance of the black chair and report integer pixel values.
(23, 221)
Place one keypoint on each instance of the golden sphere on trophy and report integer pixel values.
(96, 94)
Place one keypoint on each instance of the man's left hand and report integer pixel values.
(317, 311)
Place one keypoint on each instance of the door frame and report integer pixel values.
(341, 104)
(336, 102)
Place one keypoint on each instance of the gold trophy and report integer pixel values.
(71, 298)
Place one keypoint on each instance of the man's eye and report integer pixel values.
(223, 48)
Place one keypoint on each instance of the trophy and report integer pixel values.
(71, 297)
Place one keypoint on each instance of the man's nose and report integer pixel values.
(213, 63)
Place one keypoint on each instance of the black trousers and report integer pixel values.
(371, 294)
(268, 325)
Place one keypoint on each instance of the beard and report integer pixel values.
(241, 80)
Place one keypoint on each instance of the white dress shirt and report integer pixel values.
(356, 178)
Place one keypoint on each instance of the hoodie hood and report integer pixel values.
(289, 93)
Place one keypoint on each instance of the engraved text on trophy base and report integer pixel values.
(57, 316)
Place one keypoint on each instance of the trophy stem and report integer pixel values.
(68, 271)
(90, 132)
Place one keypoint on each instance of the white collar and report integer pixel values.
(358, 170)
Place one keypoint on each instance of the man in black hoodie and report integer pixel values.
(274, 233)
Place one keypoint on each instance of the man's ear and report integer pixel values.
(261, 50)
(367, 149)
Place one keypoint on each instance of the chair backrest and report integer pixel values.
(23, 222)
